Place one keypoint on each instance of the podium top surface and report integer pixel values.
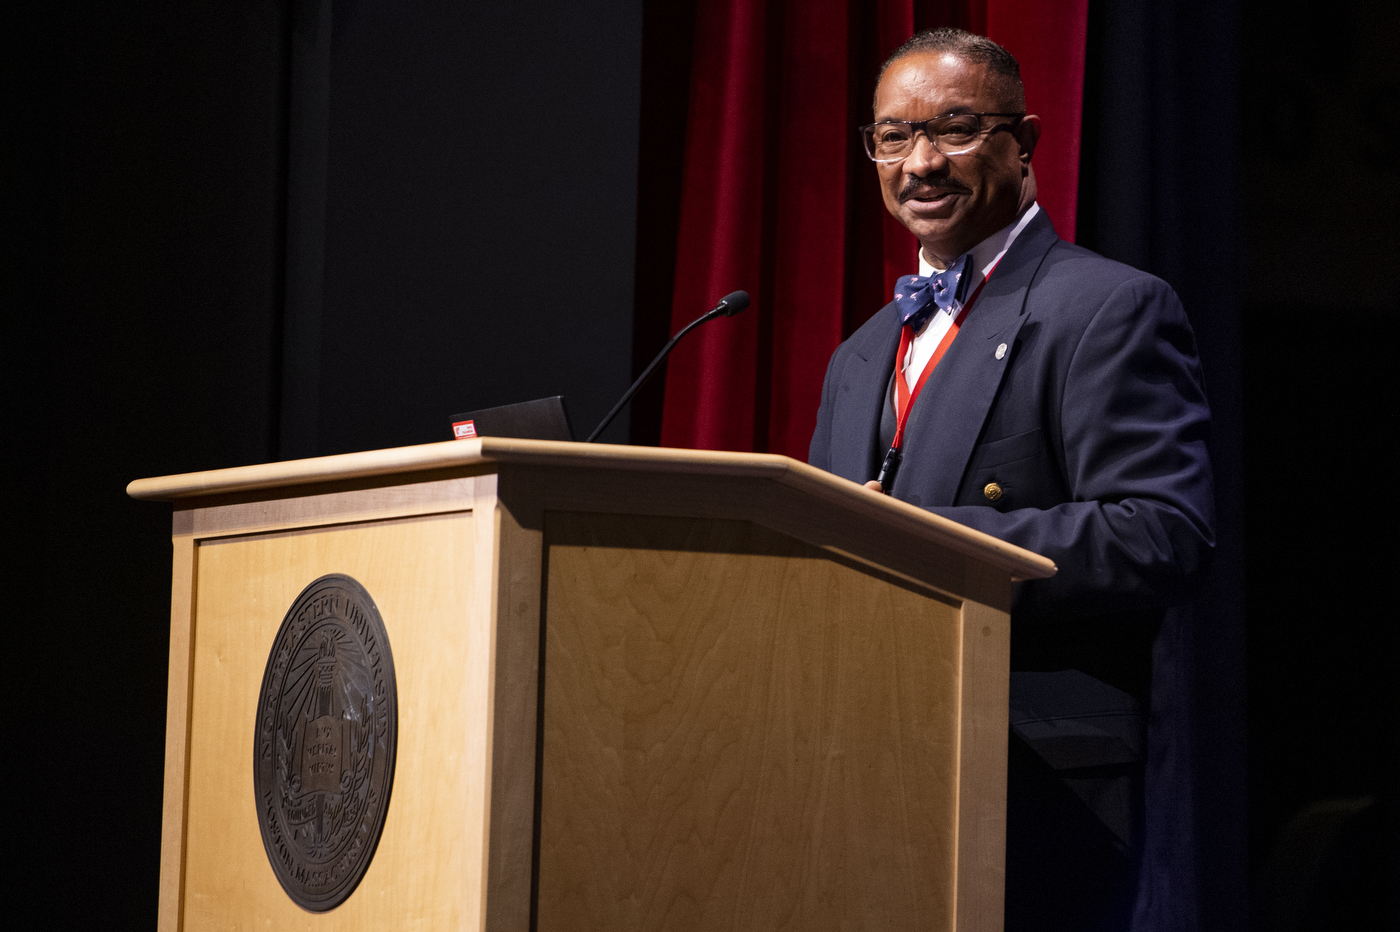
(188, 488)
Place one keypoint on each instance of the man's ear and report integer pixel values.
(1028, 134)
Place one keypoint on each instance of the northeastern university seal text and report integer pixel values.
(323, 758)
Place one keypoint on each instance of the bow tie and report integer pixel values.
(917, 298)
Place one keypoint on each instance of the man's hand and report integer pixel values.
(874, 486)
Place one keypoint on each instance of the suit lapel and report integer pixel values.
(947, 420)
(855, 422)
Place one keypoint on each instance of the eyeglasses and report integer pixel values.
(952, 134)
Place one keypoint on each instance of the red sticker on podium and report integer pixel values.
(464, 430)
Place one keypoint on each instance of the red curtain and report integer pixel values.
(778, 199)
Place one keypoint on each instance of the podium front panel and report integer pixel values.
(413, 569)
(741, 732)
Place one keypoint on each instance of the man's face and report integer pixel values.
(952, 203)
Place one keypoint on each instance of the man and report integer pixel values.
(1052, 398)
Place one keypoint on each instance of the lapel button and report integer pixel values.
(992, 491)
(1001, 351)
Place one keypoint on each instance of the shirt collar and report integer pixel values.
(986, 254)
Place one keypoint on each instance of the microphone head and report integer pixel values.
(734, 302)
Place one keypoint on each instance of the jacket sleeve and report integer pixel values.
(819, 451)
(1137, 527)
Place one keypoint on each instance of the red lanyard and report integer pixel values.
(903, 398)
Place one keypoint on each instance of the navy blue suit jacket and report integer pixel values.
(1094, 424)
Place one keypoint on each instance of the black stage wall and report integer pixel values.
(254, 231)
(1321, 278)
(259, 231)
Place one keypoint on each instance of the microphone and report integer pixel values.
(728, 306)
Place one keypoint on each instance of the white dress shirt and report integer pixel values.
(985, 256)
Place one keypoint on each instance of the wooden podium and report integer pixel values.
(638, 689)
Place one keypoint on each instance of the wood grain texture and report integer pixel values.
(413, 569)
(832, 527)
(983, 725)
(177, 736)
(515, 571)
(741, 733)
(762, 708)
(328, 508)
(402, 465)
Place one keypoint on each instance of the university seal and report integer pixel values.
(323, 758)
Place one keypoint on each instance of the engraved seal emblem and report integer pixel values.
(327, 729)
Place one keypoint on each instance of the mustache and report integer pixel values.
(915, 186)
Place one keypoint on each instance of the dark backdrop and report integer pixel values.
(293, 228)
(1321, 279)
(1151, 197)
(256, 231)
